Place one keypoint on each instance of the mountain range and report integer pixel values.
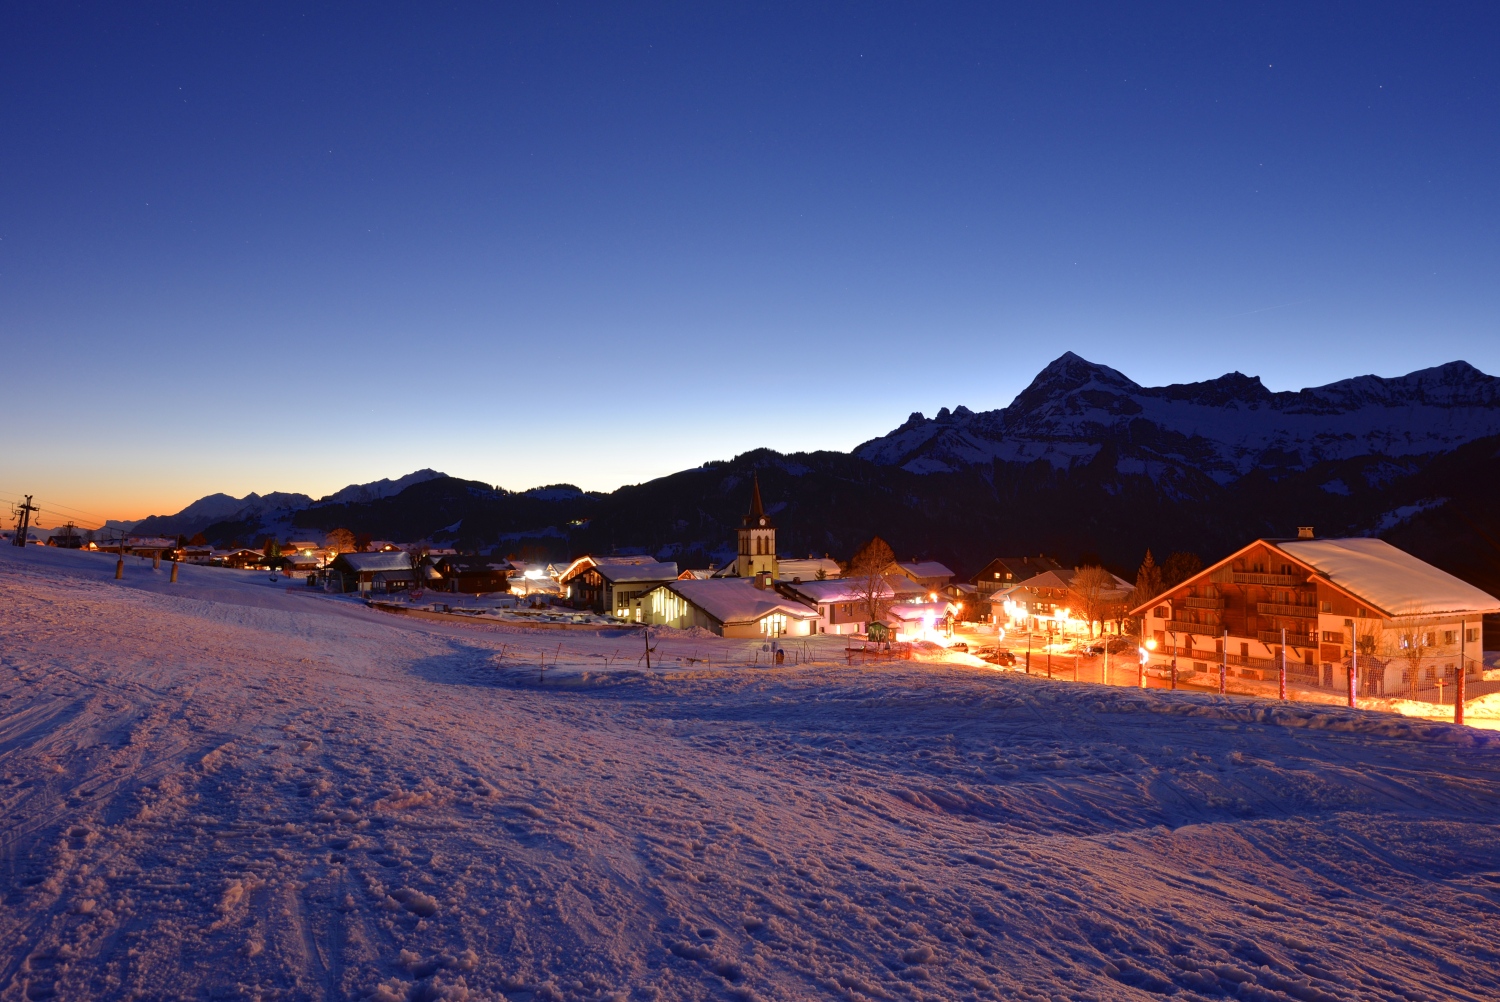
(1085, 463)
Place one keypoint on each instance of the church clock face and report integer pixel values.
(762, 521)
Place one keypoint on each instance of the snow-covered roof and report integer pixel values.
(737, 600)
(806, 569)
(623, 569)
(903, 588)
(1390, 579)
(924, 569)
(918, 610)
(647, 570)
(697, 575)
(838, 590)
(150, 542)
(367, 563)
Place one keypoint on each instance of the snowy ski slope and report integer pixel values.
(223, 789)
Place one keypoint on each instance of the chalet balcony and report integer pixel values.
(1197, 629)
(1293, 638)
(1287, 611)
(1202, 603)
(1272, 580)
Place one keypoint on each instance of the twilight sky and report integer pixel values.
(291, 247)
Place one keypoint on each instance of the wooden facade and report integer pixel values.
(1237, 612)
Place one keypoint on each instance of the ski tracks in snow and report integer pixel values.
(229, 792)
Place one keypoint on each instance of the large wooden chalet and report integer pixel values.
(1315, 599)
(613, 585)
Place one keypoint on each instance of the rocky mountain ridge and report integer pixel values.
(1223, 428)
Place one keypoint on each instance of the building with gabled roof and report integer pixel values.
(1318, 601)
(1006, 572)
(613, 585)
(1047, 603)
(371, 572)
(730, 607)
(927, 573)
(471, 574)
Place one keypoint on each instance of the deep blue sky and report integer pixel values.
(293, 246)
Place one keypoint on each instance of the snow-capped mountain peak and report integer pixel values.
(1222, 427)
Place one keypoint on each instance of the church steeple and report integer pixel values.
(757, 515)
(757, 538)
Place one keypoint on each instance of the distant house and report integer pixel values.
(472, 575)
(965, 597)
(1047, 603)
(241, 557)
(371, 572)
(841, 608)
(300, 562)
(196, 553)
(534, 578)
(730, 607)
(67, 539)
(918, 621)
(1323, 596)
(144, 546)
(613, 585)
(928, 574)
(1006, 572)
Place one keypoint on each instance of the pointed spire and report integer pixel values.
(756, 508)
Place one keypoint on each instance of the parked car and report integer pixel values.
(996, 656)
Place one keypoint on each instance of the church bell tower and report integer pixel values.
(757, 539)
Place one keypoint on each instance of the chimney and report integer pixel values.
(1304, 532)
(763, 579)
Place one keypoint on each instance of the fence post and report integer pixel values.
(1281, 687)
(1224, 666)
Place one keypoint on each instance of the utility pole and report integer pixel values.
(1174, 662)
(1224, 665)
(1353, 662)
(1281, 686)
(23, 521)
(1458, 693)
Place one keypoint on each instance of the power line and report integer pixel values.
(17, 494)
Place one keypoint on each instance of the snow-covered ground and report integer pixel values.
(226, 789)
